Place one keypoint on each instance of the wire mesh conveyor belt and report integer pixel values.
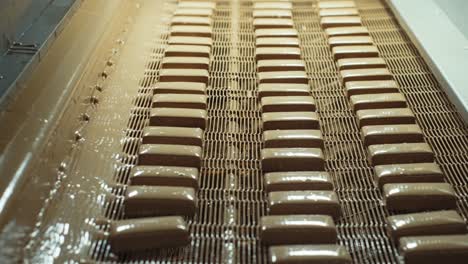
(231, 198)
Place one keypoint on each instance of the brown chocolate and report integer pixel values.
(273, 23)
(330, 12)
(195, 12)
(408, 173)
(295, 138)
(387, 116)
(288, 104)
(280, 65)
(347, 31)
(143, 201)
(192, 31)
(283, 77)
(273, 5)
(290, 120)
(283, 89)
(191, 21)
(400, 153)
(426, 224)
(179, 88)
(336, 4)
(196, 4)
(365, 75)
(271, 13)
(276, 33)
(164, 176)
(304, 202)
(388, 134)
(173, 135)
(178, 117)
(194, 101)
(170, 155)
(451, 249)
(185, 63)
(278, 53)
(292, 159)
(355, 51)
(361, 63)
(349, 41)
(187, 51)
(377, 101)
(148, 233)
(319, 254)
(191, 41)
(419, 197)
(298, 181)
(277, 42)
(340, 21)
(371, 87)
(298, 229)
(184, 75)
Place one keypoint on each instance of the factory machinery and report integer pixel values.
(301, 131)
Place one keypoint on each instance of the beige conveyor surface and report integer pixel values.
(231, 198)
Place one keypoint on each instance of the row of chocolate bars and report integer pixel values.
(422, 220)
(162, 189)
(302, 204)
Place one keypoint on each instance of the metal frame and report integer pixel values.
(441, 43)
(28, 28)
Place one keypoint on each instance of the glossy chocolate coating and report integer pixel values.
(283, 77)
(148, 233)
(277, 42)
(408, 173)
(298, 181)
(316, 254)
(418, 197)
(400, 153)
(170, 155)
(184, 75)
(142, 201)
(365, 75)
(304, 202)
(179, 88)
(298, 229)
(360, 63)
(387, 116)
(378, 101)
(425, 224)
(388, 134)
(164, 176)
(280, 65)
(371, 87)
(283, 89)
(292, 159)
(451, 249)
(288, 104)
(340, 21)
(277, 53)
(347, 31)
(192, 101)
(295, 138)
(173, 135)
(290, 120)
(273, 23)
(185, 63)
(349, 41)
(178, 117)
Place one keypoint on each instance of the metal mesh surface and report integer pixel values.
(232, 198)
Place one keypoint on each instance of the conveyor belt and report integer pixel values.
(232, 198)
